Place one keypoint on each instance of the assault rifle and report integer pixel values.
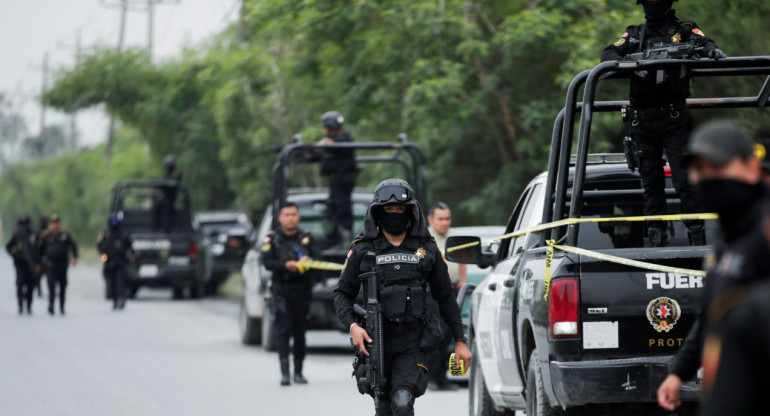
(375, 362)
(666, 51)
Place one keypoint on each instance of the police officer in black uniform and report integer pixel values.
(394, 225)
(726, 177)
(114, 244)
(42, 230)
(659, 115)
(282, 253)
(55, 248)
(165, 209)
(23, 248)
(340, 166)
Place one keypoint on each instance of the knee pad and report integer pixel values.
(402, 403)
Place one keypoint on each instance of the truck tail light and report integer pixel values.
(667, 171)
(192, 251)
(564, 309)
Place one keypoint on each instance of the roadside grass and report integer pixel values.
(232, 287)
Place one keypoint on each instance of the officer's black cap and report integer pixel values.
(719, 142)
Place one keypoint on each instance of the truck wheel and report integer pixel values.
(196, 289)
(177, 293)
(537, 400)
(480, 403)
(251, 328)
(268, 330)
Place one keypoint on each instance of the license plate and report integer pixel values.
(178, 261)
(148, 270)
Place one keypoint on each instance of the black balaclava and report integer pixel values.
(395, 224)
(728, 198)
(656, 12)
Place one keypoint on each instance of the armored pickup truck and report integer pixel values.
(388, 159)
(164, 255)
(563, 331)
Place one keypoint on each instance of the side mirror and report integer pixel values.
(465, 249)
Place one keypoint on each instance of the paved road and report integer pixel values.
(163, 357)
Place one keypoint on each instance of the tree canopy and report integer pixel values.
(476, 84)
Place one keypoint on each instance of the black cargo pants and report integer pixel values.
(670, 132)
(405, 370)
(25, 284)
(292, 308)
(339, 208)
(116, 281)
(56, 275)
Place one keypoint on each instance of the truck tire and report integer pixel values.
(177, 292)
(197, 290)
(480, 403)
(537, 400)
(251, 328)
(268, 330)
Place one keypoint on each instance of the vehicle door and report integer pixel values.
(495, 342)
(512, 379)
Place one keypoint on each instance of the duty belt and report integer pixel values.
(393, 328)
(637, 114)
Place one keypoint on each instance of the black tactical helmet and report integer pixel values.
(23, 219)
(394, 191)
(332, 120)
(169, 162)
(113, 221)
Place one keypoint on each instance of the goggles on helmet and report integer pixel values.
(398, 193)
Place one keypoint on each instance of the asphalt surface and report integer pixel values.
(164, 357)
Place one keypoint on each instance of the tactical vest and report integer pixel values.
(291, 249)
(403, 280)
(676, 89)
(56, 246)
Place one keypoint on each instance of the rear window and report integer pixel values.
(624, 234)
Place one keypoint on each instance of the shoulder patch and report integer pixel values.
(621, 41)
(698, 32)
(266, 247)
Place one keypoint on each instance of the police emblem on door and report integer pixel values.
(663, 313)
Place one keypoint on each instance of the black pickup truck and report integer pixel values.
(596, 340)
(163, 257)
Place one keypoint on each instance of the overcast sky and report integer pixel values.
(30, 28)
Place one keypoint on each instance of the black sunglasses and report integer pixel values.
(386, 193)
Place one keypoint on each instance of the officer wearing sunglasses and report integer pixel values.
(395, 244)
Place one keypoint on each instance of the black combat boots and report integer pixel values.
(285, 379)
(298, 378)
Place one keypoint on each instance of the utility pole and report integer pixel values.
(150, 15)
(43, 90)
(111, 128)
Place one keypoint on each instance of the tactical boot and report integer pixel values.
(658, 237)
(697, 235)
(285, 379)
(50, 309)
(298, 378)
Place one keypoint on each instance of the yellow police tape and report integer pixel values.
(304, 266)
(593, 254)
